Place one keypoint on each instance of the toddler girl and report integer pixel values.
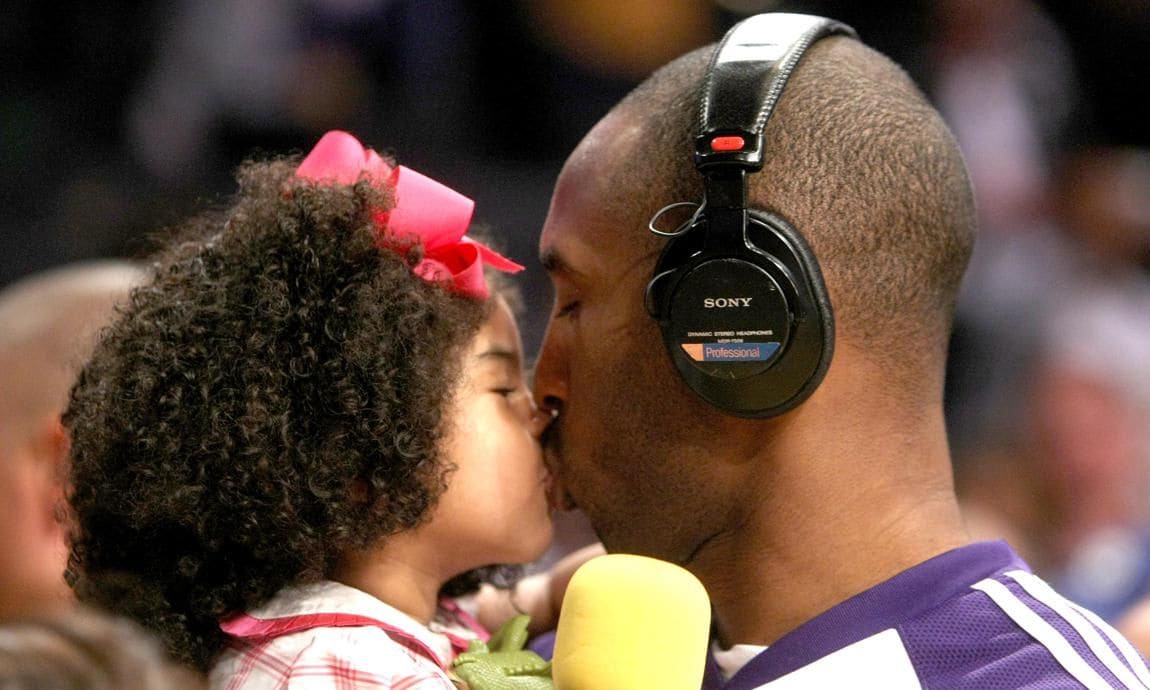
(307, 430)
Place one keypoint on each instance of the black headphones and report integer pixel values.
(737, 291)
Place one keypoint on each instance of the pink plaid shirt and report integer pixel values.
(328, 636)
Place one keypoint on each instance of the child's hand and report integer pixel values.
(502, 663)
(538, 596)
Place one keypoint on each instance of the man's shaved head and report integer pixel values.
(857, 160)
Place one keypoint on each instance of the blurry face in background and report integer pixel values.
(50, 324)
(630, 443)
(33, 546)
(495, 508)
(1089, 432)
(1105, 205)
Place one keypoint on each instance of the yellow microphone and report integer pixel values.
(631, 623)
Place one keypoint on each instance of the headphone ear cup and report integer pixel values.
(740, 299)
(813, 334)
(749, 328)
(676, 253)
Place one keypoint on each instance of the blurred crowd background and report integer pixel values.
(119, 119)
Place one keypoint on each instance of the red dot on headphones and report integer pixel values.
(729, 143)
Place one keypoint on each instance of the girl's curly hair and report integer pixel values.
(273, 397)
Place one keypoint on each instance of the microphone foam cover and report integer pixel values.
(632, 623)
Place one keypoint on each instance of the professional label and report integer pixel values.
(730, 352)
(731, 319)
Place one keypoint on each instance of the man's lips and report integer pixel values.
(558, 497)
(557, 493)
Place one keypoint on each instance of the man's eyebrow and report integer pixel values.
(553, 262)
(557, 266)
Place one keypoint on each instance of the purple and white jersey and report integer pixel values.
(974, 617)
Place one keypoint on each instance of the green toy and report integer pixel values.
(503, 663)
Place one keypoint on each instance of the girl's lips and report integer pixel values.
(557, 496)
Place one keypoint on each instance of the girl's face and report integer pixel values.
(495, 508)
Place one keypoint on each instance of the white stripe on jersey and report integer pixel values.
(878, 662)
(1043, 632)
(1041, 591)
(1133, 657)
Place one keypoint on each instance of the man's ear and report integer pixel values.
(50, 446)
(56, 440)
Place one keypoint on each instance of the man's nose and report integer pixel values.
(550, 380)
(540, 419)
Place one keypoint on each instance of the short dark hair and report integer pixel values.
(860, 162)
(273, 397)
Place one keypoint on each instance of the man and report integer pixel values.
(828, 535)
(48, 323)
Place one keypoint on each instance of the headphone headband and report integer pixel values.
(746, 77)
(740, 299)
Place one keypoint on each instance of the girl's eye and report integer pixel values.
(518, 399)
(510, 389)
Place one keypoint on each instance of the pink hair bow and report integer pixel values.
(424, 209)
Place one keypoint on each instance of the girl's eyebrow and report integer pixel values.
(500, 353)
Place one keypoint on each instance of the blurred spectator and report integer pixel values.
(1104, 202)
(1070, 493)
(1071, 478)
(1003, 78)
(48, 324)
(85, 650)
(1135, 626)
